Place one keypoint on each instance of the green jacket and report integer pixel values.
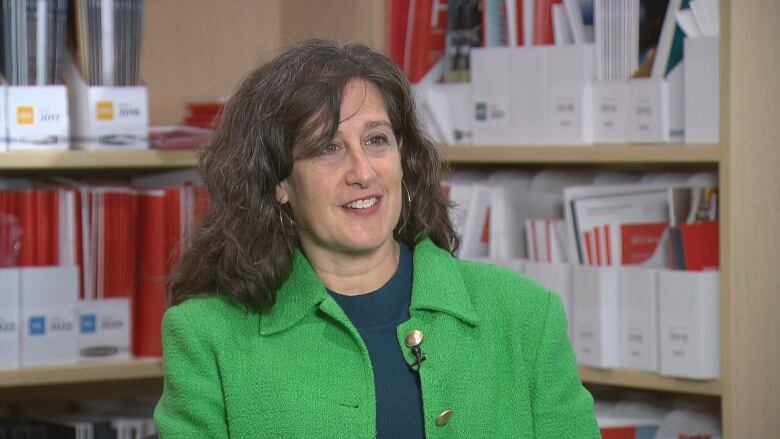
(495, 343)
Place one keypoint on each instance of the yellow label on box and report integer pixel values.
(25, 115)
(105, 110)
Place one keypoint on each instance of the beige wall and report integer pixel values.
(200, 48)
(342, 20)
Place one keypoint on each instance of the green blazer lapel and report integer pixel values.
(300, 293)
(438, 286)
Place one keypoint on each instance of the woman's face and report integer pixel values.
(347, 197)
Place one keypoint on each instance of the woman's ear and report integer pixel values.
(282, 197)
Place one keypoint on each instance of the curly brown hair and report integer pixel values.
(245, 244)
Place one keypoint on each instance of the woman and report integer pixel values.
(320, 297)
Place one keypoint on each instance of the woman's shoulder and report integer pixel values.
(212, 313)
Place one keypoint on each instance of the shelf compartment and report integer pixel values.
(584, 154)
(643, 380)
(97, 159)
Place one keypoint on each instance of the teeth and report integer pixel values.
(362, 204)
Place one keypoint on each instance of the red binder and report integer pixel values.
(149, 306)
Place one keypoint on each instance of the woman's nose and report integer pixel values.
(361, 170)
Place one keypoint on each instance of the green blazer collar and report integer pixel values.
(437, 286)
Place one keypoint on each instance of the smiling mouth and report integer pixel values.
(362, 204)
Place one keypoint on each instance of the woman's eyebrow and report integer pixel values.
(377, 123)
(372, 124)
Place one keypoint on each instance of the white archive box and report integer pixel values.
(689, 319)
(104, 329)
(638, 317)
(10, 315)
(49, 297)
(105, 117)
(3, 119)
(490, 111)
(556, 277)
(702, 89)
(528, 95)
(656, 108)
(570, 72)
(37, 117)
(610, 111)
(596, 315)
(514, 264)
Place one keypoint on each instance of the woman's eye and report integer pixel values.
(331, 148)
(378, 140)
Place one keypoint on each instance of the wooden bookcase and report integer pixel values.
(747, 159)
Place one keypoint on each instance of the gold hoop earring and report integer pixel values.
(284, 229)
(408, 205)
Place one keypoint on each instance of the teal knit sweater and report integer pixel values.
(498, 358)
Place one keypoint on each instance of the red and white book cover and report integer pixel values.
(426, 29)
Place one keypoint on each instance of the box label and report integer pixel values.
(37, 325)
(25, 115)
(87, 324)
(491, 110)
(104, 110)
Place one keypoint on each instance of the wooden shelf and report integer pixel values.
(151, 368)
(97, 160)
(644, 380)
(487, 154)
(136, 369)
(584, 154)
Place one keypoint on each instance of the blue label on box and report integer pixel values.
(37, 325)
(88, 324)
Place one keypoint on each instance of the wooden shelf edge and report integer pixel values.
(151, 368)
(649, 381)
(584, 154)
(97, 159)
(141, 368)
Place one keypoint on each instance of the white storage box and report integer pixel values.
(610, 111)
(37, 117)
(107, 117)
(702, 90)
(48, 300)
(655, 111)
(571, 73)
(556, 277)
(690, 324)
(528, 94)
(490, 82)
(596, 316)
(10, 314)
(3, 119)
(104, 329)
(639, 318)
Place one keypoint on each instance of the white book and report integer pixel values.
(574, 18)
(590, 207)
(664, 47)
(688, 23)
(562, 31)
(528, 22)
(472, 243)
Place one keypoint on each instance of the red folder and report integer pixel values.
(639, 241)
(700, 245)
(543, 26)
(397, 18)
(424, 46)
(149, 307)
(25, 212)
